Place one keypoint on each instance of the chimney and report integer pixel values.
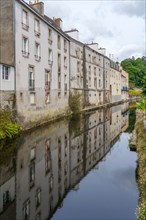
(58, 22)
(38, 5)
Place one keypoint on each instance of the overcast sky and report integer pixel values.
(119, 26)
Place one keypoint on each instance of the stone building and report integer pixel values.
(124, 85)
(36, 68)
(41, 65)
(115, 82)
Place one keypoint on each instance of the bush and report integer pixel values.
(75, 102)
(8, 128)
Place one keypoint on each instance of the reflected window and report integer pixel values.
(65, 146)
(38, 197)
(32, 153)
(47, 156)
(26, 209)
(51, 183)
(32, 173)
(38, 216)
(6, 198)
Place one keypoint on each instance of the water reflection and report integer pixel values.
(52, 160)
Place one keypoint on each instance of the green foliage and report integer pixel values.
(144, 86)
(142, 212)
(142, 104)
(134, 92)
(8, 127)
(136, 69)
(132, 119)
(75, 102)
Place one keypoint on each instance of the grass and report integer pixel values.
(141, 150)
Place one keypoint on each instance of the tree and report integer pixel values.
(144, 87)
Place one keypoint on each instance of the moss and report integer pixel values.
(141, 150)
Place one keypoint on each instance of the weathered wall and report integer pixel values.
(6, 32)
(7, 99)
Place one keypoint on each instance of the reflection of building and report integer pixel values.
(52, 160)
(125, 116)
(42, 172)
(7, 189)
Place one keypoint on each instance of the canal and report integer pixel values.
(80, 168)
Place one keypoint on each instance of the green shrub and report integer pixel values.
(75, 102)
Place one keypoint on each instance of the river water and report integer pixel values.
(80, 168)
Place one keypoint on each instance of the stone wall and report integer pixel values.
(7, 100)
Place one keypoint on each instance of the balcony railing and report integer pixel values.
(24, 26)
(31, 84)
(125, 88)
(50, 62)
(25, 53)
(37, 34)
(37, 58)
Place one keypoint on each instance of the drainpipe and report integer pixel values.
(14, 37)
(103, 80)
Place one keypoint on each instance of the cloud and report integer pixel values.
(131, 8)
(129, 51)
(116, 25)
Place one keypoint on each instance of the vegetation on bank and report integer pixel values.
(134, 92)
(8, 126)
(136, 69)
(75, 102)
(141, 151)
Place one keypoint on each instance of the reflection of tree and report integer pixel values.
(132, 118)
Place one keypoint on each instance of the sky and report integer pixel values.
(117, 25)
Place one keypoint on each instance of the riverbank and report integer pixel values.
(140, 146)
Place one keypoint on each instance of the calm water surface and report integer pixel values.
(73, 169)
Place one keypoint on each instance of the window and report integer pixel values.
(47, 86)
(95, 71)
(65, 46)
(59, 42)
(25, 47)
(89, 70)
(37, 27)
(78, 66)
(95, 82)
(89, 58)
(5, 72)
(59, 63)
(50, 57)
(50, 36)
(65, 62)
(31, 79)
(26, 209)
(99, 83)
(25, 20)
(37, 52)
